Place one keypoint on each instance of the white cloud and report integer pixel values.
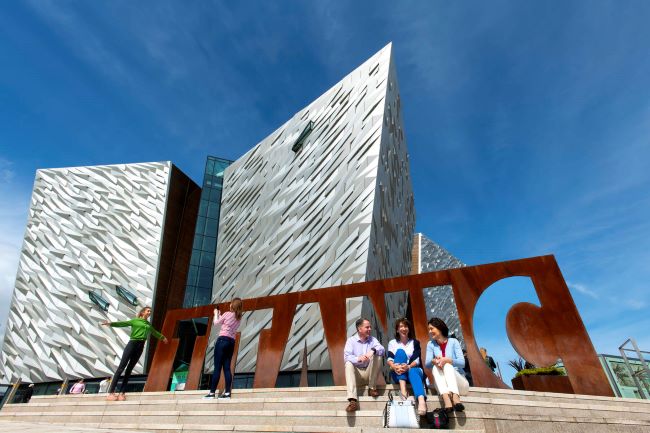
(6, 171)
(636, 304)
(583, 289)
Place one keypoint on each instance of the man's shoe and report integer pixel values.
(225, 395)
(353, 406)
(372, 392)
(209, 396)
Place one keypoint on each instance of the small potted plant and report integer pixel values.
(541, 379)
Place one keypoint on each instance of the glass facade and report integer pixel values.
(198, 290)
(620, 378)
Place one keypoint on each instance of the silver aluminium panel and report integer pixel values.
(89, 229)
(337, 211)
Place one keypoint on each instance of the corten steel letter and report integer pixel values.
(333, 312)
(540, 335)
(273, 341)
(163, 360)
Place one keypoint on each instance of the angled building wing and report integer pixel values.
(101, 242)
(324, 200)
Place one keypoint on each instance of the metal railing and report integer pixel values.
(642, 385)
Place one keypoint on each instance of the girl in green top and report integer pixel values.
(140, 330)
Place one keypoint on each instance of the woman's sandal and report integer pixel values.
(458, 406)
(422, 408)
(449, 408)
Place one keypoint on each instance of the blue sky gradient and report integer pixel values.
(528, 125)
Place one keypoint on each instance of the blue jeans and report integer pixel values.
(414, 376)
(223, 351)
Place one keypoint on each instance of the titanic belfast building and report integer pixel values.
(324, 200)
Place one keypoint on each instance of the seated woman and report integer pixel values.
(446, 361)
(404, 355)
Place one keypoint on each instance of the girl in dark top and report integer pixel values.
(140, 330)
(404, 360)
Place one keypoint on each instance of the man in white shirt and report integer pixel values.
(362, 356)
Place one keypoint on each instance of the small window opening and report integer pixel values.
(98, 300)
(303, 136)
(127, 296)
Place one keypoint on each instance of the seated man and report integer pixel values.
(362, 356)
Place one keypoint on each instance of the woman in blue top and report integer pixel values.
(405, 364)
(446, 361)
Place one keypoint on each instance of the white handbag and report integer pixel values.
(400, 414)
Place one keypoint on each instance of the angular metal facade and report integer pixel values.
(439, 301)
(89, 229)
(338, 210)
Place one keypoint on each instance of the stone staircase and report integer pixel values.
(322, 410)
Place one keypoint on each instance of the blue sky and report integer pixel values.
(528, 125)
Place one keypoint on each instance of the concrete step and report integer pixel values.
(305, 409)
(494, 404)
(24, 427)
(567, 407)
(470, 419)
(339, 391)
(29, 427)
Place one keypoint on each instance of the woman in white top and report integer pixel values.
(446, 361)
(404, 360)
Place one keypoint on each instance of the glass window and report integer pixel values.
(203, 207)
(205, 277)
(198, 241)
(215, 195)
(196, 256)
(202, 298)
(211, 227)
(209, 244)
(200, 224)
(213, 210)
(191, 275)
(207, 259)
(205, 193)
(189, 296)
(209, 166)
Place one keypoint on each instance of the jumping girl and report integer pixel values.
(140, 330)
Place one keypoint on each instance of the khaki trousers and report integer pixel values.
(355, 376)
(449, 380)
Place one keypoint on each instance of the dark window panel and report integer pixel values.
(198, 242)
(209, 244)
(203, 207)
(191, 275)
(205, 278)
(196, 257)
(207, 260)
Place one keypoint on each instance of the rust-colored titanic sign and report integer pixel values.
(541, 335)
